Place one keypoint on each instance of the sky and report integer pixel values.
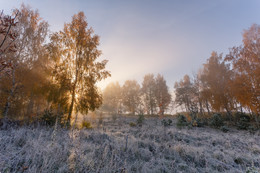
(170, 37)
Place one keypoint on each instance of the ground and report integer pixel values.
(114, 146)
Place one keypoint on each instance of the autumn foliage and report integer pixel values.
(58, 72)
(228, 83)
(57, 76)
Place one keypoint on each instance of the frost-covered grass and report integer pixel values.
(150, 148)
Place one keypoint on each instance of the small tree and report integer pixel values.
(131, 95)
(112, 98)
(162, 95)
(186, 94)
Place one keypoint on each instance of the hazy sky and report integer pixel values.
(173, 38)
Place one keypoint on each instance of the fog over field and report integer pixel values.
(114, 146)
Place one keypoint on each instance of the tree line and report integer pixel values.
(225, 84)
(229, 83)
(42, 70)
(153, 97)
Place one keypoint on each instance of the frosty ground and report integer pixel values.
(117, 147)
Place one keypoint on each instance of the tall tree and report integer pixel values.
(75, 50)
(198, 88)
(26, 60)
(215, 77)
(162, 95)
(148, 92)
(245, 61)
(131, 95)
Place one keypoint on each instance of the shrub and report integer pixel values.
(216, 121)
(166, 123)
(194, 123)
(243, 121)
(140, 119)
(252, 128)
(114, 117)
(48, 118)
(132, 124)
(252, 169)
(224, 129)
(182, 121)
(86, 124)
(198, 122)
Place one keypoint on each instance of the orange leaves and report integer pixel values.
(74, 50)
(245, 61)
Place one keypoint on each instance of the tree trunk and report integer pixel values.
(257, 120)
(151, 103)
(8, 102)
(71, 105)
(74, 124)
(30, 106)
(201, 108)
(229, 113)
(207, 106)
(73, 95)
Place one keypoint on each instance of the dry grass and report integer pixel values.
(150, 148)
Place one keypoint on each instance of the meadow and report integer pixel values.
(112, 145)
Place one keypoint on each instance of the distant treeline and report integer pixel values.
(229, 83)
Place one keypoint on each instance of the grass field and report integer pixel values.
(114, 146)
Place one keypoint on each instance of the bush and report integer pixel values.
(166, 123)
(132, 124)
(198, 122)
(252, 169)
(48, 118)
(252, 128)
(182, 121)
(140, 119)
(224, 129)
(86, 124)
(243, 121)
(114, 117)
(216, 121)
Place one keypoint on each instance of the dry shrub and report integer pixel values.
(86, 124)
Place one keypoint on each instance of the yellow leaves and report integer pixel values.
(245, 61)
